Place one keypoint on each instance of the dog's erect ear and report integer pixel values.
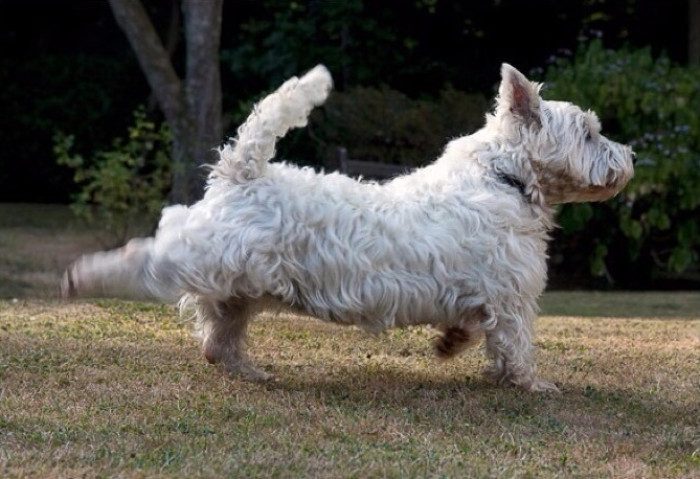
(518, 96)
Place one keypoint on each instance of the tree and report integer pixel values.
(192, 106)
(694, 32)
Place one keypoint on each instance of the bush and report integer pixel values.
(89, 96)
(123, 189)
(651, 229)
(381, 124)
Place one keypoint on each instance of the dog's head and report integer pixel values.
(570, 159)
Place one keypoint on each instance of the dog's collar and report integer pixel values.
(511, 180)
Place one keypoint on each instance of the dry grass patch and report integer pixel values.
(116, 388)
(37, 243)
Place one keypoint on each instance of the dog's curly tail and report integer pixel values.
(246, 157)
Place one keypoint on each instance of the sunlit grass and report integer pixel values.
(116, 388)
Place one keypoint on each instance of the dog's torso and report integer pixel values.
(426, 248)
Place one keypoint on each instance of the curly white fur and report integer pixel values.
(246, 157)
(451, 244)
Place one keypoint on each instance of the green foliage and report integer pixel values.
(89, 96)
(122, 188)
(362, 42)
(654, 106)
(294, 36)
(382, 124)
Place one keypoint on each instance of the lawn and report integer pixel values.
(108, 388)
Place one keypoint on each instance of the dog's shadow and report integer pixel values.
(442, 402)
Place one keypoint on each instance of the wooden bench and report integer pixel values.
(366, 169)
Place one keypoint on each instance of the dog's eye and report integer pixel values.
(588, 137)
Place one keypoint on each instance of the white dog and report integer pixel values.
(460, 244)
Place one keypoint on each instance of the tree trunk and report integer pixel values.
(694, 32)
(203, 83)
(192, 110)
(172, 38)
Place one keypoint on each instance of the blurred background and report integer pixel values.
(108, 108)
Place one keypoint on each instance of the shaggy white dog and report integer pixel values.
(460, 244)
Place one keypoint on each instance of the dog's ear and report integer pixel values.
(518, 96)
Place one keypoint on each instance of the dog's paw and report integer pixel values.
(248, 372)
(498, 376)
(540, 386)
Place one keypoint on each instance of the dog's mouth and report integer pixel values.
(601, 193)
(584, 194)
(615, 180)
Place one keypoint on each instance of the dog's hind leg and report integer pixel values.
(467, 333)
(223, 326)
(509, 346)
(130, 272)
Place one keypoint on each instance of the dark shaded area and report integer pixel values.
(65, 65)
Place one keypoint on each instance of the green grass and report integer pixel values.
(38, 216)
(648, 304)
(116, 388)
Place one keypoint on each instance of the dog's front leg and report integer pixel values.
(509, 346)
(223, 326)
